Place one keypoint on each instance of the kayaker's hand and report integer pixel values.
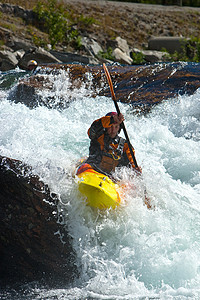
(118, 118)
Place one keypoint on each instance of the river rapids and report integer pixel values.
(131, 252)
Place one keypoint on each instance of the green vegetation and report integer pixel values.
(107, 54)
(84, 22)
(37, 40)
(11, 27)
(58, 23)
(54, 20)
(1, 43)
(190, 51)
(138, 58)
(62, 26)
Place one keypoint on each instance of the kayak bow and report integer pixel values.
(100, 191)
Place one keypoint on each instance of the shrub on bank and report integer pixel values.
(190, 51)
(59, 23)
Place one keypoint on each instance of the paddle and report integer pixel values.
(147, 201)
(118, 111)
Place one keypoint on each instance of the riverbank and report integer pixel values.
(134, 23)
(138, 22)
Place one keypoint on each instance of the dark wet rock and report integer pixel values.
(33, 245)
(26, 93)
(140, 86)
(145, 86)
(29, 91)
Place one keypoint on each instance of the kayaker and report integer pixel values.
(32, 65)
(107, 149)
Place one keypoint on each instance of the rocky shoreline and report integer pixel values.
(17, 51)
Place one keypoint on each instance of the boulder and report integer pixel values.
(151, 56)
(5, 34)
(19, 54)
(154, 56)
(8, 60)
(6, 8)
(18, 44)
(122, 45)
(18, 11)
(25, 93)
(68, 57)
(33, 245)
(122, 57)
(119, 43)
(6, 48)
(40, 55)
(171, 44)
(91, 46)
(148, 85)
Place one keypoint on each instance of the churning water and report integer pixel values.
(133, 252)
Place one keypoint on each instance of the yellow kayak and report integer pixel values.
(99, 190)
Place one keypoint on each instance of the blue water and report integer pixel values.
(131, 253)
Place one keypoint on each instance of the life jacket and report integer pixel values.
(100, 155)
(111, 157)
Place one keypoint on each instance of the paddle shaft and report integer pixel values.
(118, 111)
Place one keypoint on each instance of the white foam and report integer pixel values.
(133, 252)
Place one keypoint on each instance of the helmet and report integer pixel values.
(112, 113)
(32, 63)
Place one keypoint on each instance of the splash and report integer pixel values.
(132, 252)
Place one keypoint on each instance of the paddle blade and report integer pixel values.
(109, 82)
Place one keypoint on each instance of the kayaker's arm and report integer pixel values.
(98, 126)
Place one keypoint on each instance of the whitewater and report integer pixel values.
(131, 252)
